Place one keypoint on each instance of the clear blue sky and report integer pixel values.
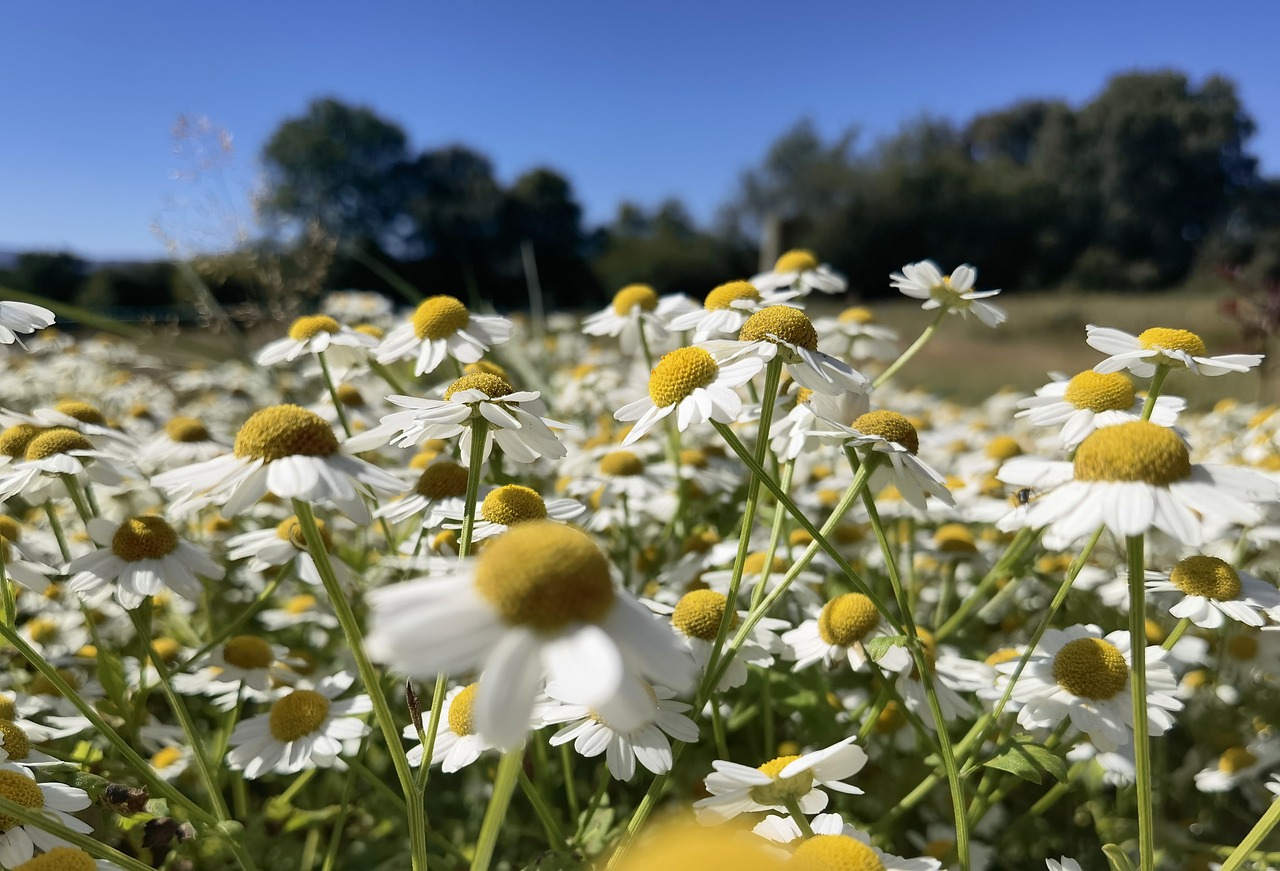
(655, 99)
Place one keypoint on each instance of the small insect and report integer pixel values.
(1022, 498)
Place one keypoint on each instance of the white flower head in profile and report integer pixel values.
(787, 333)
(443, 327)
(1213, 592)
(1162, 346)
(634, 308)
(953, 292)
(692, 384)
(139, 557)
(725, 309)
(1090, 400)
(316, 334)
(799, 270)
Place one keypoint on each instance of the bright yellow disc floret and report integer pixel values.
(834, 853)
(679, 373)
(248, 652)
(796, 260)
(309, 325)
(847, 619)
(492, 386)
(19, 789)
(755, 562)
(16, 743)
(1235, 759)
(285, 431)
(698, 614)
(60, 859)
(439, 317)
(730, 292)
(81, 411)
(462, 712)
(780, 323)
(545, 575)
(1098, 391)
(954, 538)
(783, 788)
(1092, 668)
(59, 440)
(1206, 576)
(1161, 338)
(512, 504)
(1135, 451)
(442, 480)
(14, 439)
(621, 464)
(146, 537)
(186, 430)
(857, 315)
(890, 426)
(297, 714)
(290, 530)
(1003, 447)
(633, 295)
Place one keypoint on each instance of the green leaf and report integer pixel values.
(1017, 761)
(878, 647)
(1117, 858)
(1047, 760)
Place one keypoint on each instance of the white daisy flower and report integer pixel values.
(54, 800)
(1062, 863)
(692, 384)
(1162, 346)
(457, 743)
(21, 318)
(953, 292)
(171, 760)
(695, 621)
(1081, 674)
(856, 335)
(24, 564)
(48, 456)
(303, 609)
(835, 844)
(269, 548)
(892, 436)
(1211, 590)
(523, 435)
(1132, 477)
(304, 729)
(181, 441)
(540, 599)
(139, 557)
(16, 748)
(1091, 400)
(503, 507)
(442, 326)
(634, 308)
(592, 734)
(783, 331)
(286, 450)
(839, 632)
(725, 310)
(624, 476)
(66, 858)
(738, 789)
(242, 664)
(799, 270)
(1238, 765)
(440, 490)
(316, 334)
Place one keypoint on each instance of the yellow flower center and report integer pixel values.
(14, 439)
(186, 430)
(442, 480)
(1163, 338)
(166, 648)
(754, 564)
(1100, 392)
(954, 538)
(834, 853)
(248, 652)
(440, 317)
(462, 712)
(621, 464)
(1003, 655)
(300, 604)
(698, 614)
(370, 330)
(1235, 759)
(1092, 668)
(512, 504)
(1135, 451)
(10, 529)
(633, 295)
(21, 790)
(1003, 448)
(15, 741)
(81, 411)
(856, 315)
(285, 431)
(350, 396)
(847, 619)
(782, 788)
(679, 373)
(307, 326)
(796, 260)
(730, 292)
(694, 458)
(299, 713)
(890, 426)
(60, 859)
(8, 708)
(487, 383)
(146, 537)
(290, 530)
(59, 440)
(545, 575)
(1206, 576)
(780, 323)
(43, 630)
(165, 758)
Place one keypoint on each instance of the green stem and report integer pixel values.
(775, 535)
(429, 737)
(1251, 841)
(503, 785)
(1176, 635)
(1157, 381)
(912, 351)
(6, 591)
(243, 617)
(1014, 552)
(479, 433)
(333, 394)
(46, 823)
(58, 533)
(793, 808)
(1141, 740)
(570, 787)
(369, 676)
(555, 837)
(388, 376)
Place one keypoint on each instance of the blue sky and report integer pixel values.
(638, 101)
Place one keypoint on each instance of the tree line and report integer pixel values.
(1139, 189)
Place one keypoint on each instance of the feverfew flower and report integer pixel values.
(539, 600)
(139, 557)
(836, 844)
(505, 506)
(1091, 400)
(442, 326)
(862, 337)
(739, 789)
(725, 310)
(1162, 346)
(635, 308)
(1132, 477)
(888, 435)
(799, 270)
(19, 840)
(953, 292)
(692, 384)
(787, 333)
(840, 631)
(1211, 590)
(316, 334)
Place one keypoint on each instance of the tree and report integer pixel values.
(52, 275)
(337, 165)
